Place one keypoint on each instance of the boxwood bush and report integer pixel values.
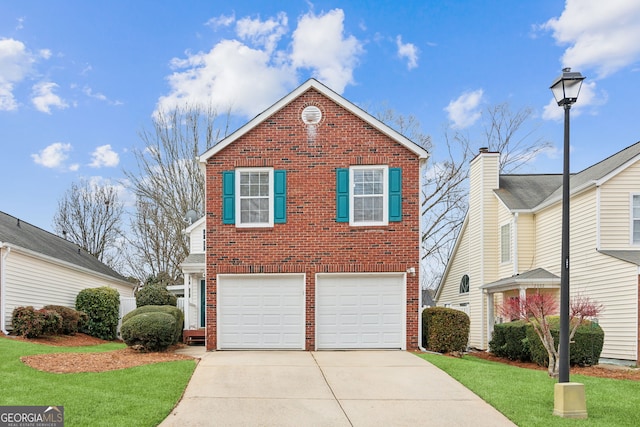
(155, 294)
(444, 329)
(71, 319)
(177, 314)
(584, 350)
(32, 323)
(102, 306)
(153, 331)
(510, 340)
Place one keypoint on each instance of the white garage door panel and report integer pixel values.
(261, 312)
(360, 311)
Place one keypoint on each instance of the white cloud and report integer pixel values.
(44, 98)
(16, 63)
(464, 111)
(99, 96)
(104, 156)
(319, 43)
(250, 73)
(53, 156)
(589, 97)
(265, 34)
(409, 51)
(220, 21)
(601, 34)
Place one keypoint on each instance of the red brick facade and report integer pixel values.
(311, 241)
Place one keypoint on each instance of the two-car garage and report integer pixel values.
(352, 311)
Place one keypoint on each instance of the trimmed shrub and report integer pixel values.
(510, 340)
(445, 329)
(70, 318)
(177, 314)
(102, 306)
(155, 294)
(32, 323)
(153, 331)
(584, 350)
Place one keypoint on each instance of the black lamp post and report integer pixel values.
(565, 89)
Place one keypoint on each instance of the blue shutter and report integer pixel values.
(228, 197)
(395, 194)
(342, 195)
(279, 196)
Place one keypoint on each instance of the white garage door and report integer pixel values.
(261, 311)
(360, 311)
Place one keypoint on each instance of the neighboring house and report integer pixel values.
(510, 245)
(315, 209)
(193, 270)
(38, 268)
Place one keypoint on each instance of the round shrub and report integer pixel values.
(445, 329)
(177, 314)
(153, 331)
(584, 350)
(155, 294)
(32, 323)
(70, 318)
(510, 340)
(102, 306)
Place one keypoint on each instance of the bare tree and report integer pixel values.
(168, 182)
(89, 214)
(445, 182)
(504, 134)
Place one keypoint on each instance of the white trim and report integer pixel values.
(385, 196)
(631, 219)
(510, 255)
(196, 223)
(598, 207)
(324, 90)
(617, 170)
(514, 248)
(239, 224)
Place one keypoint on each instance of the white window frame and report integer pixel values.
(385, 196)
(632, 219)
(509, 254)
(238, 198)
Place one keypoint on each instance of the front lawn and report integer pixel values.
(140, 396)
(525, 396)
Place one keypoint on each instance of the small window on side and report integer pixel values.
(464, 284)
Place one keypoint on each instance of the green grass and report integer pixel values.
(525, 396)
(140, 396)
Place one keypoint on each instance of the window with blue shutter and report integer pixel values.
(254, 197)
(369, 195)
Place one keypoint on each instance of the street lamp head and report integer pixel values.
(567, 87)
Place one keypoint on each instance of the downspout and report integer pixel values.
(515, 244)
(3, 260)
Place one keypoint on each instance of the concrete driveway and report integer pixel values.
(327, 388)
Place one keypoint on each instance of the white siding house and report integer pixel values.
(38, 268)
(510, 244)
(193, 269)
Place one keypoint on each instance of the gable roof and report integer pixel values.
(18, 234)
(538, 277)
(324, 90)
(533, 192)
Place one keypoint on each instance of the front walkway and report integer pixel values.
(327, 388)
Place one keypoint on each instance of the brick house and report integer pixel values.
(297, 259)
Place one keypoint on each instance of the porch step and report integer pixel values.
(193, 336)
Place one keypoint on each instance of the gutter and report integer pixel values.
(3, 257)
(423, 308)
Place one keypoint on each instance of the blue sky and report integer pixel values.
(79, 80)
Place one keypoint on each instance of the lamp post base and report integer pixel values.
(569, 400)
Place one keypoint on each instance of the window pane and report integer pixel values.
(254, 197)
(636, 231)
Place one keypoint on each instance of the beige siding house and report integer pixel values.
(510, 245)
(38, 268)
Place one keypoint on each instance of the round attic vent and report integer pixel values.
(311, 115)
